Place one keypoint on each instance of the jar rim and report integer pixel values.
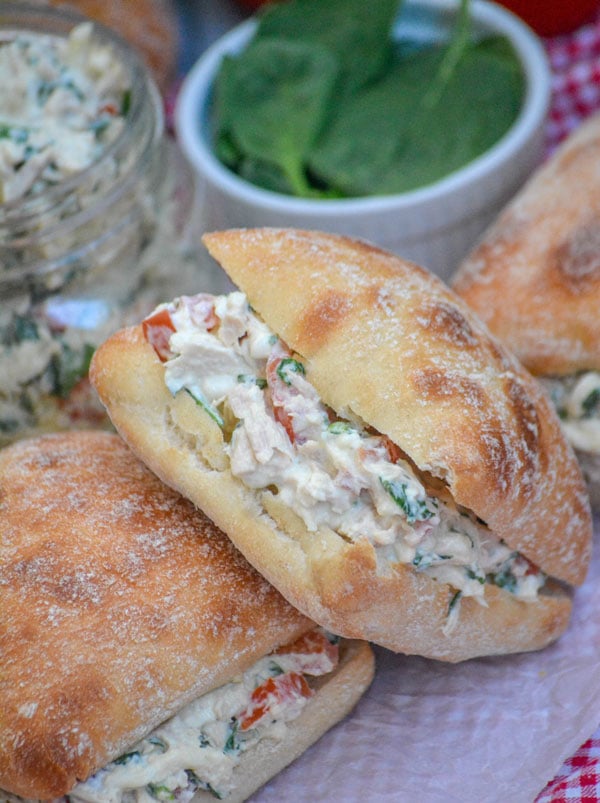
(34, 19)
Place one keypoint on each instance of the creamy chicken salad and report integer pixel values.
(200, 747)
(75, 267)
(332, 472)
(65, 102)
(577, 400)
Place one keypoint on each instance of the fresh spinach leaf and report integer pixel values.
(362, 142)
(393, 138)
(358, 33)
(273, 102)
(321, 105)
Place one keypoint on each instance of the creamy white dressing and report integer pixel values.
(200, 747)
(61, 105)
(577, 400)
(331, 473)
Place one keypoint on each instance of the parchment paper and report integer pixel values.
(494, 729)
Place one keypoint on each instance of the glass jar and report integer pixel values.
(89, 254)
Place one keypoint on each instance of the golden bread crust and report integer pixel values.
(336, 583)
(120, 603)
(387, 341)
(534, 278)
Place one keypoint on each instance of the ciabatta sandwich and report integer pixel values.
(535, 280)
(364, 441)
(142, 657)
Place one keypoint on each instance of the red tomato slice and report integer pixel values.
(315, 642)
(282, 688)
(279, 390)
(158, 329)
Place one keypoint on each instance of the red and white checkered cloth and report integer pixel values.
(578, 780)
(575, 63)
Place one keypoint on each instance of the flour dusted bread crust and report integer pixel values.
(535, 276)
(385, 341)
(121, 602)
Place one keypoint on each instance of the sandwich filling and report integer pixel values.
(577, 400)
(332, 472)
(200, 747)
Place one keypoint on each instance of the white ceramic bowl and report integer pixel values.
(434, 226)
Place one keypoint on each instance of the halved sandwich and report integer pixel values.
(535, 280)
(142, 657)
(364, 441)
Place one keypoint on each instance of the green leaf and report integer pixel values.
(397, 135)
(415, 509)
(591, 402)
(250, 379)
(272, 103)
(340, 428)
(21, 328)
(70, 367)
(454, 601)
(126, 103)
(285, 366)
(208, 408)
(160, 792)
(355, 31)
(127, 757)
(16, 133)
(232, 745)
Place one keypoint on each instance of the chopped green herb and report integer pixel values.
(47, 88)
(160, 792)
(476, 575)
(591, 402)
(99, 126)
(415, 509)
(423, 560)
(275, 669)
(70, 367)
(340, 427)
(127, 757)
(197, 783)
(126, 103)
(252, 380)
(213, 413)
(232, 745)
(286, 365)
(17, 134)
(156, 741)
(8, 425)
(454, 601)
(22, 328)
(504, 578)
